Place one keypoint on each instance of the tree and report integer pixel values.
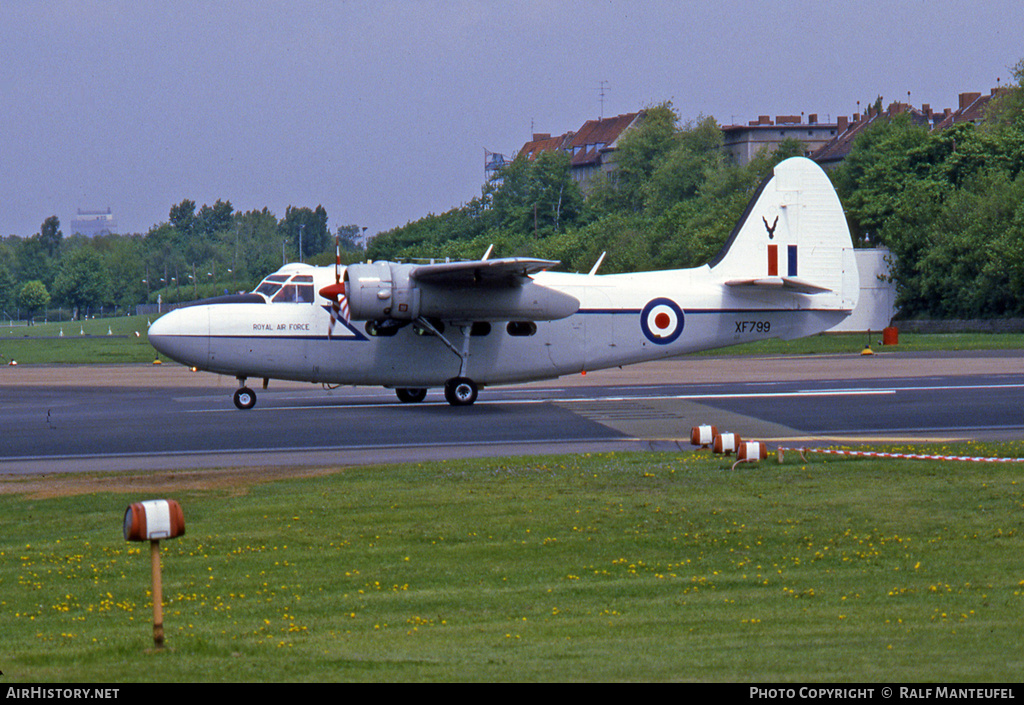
(641, 151)
(536, 196)
(82, 280)
(885, 159)
(32, 261)
(33, 297)
(1007, 108)
(350, 238)
(50, 235)
(183, 217)
(308, 227)
(214, 219)
(7, 286)
(683, 170)
(126, 269)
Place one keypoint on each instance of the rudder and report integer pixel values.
(793, 237)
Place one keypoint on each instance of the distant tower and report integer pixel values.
(92, 223)
(493, 163)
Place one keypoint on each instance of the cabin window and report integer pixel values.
(480, 328)
(521, 328)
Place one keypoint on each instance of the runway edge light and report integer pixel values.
(151, 521)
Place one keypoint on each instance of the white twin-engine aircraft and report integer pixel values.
(787, 271)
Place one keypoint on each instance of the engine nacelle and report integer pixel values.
(386, 290)
(381, 290)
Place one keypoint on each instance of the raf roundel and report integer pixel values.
(661, 321)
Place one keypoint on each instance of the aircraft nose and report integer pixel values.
(182, 335)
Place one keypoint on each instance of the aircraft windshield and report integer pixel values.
(280, 288)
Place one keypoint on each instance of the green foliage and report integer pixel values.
(948, 204)
(642, 152)
(197, 252)
(7, 285)
(307, 228)
(82, 280)
(671, 201)
(679, 173)
(33, 297)
(50, 235)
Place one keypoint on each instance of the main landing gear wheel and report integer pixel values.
(411, 395)
(245, 398)
(460, 391)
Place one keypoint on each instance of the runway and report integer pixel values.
(137, 417)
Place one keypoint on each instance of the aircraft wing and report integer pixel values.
(479, 290)
(800, 286)
(503, 271)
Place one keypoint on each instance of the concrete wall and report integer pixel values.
(877, 304)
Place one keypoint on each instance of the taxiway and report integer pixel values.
(140, 417)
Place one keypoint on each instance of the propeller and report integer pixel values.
(336, 291)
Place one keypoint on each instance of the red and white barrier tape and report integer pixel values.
(910, 456)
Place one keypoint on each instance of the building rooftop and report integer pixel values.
(972, 108)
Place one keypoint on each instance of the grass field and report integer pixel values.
(614, 567)
(124, 340)
(104, 340)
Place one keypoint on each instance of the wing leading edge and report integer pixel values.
(506, 271)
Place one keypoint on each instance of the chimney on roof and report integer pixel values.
(787, 119)
(538, 136)
(842, 122)
(812, 119)
(926, 108)
(762, 120)
(967, 98)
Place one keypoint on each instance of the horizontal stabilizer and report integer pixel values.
(503, 270)
(793, 284)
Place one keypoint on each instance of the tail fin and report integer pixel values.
(793, 237)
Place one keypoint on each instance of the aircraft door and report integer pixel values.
(599, 335)
(567, 345)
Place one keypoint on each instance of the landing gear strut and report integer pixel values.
(461, 390)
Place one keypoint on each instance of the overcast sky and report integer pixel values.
(381, 111)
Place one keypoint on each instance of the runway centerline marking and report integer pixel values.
(573, 400)
(836, 392)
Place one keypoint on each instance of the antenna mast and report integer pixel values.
(601, 91)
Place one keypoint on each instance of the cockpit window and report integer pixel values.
(294, 294)
(297, 290)
(269, 286)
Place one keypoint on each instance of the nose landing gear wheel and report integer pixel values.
(460, 391)
(245, 398)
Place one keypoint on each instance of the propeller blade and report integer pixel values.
(336, 292)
